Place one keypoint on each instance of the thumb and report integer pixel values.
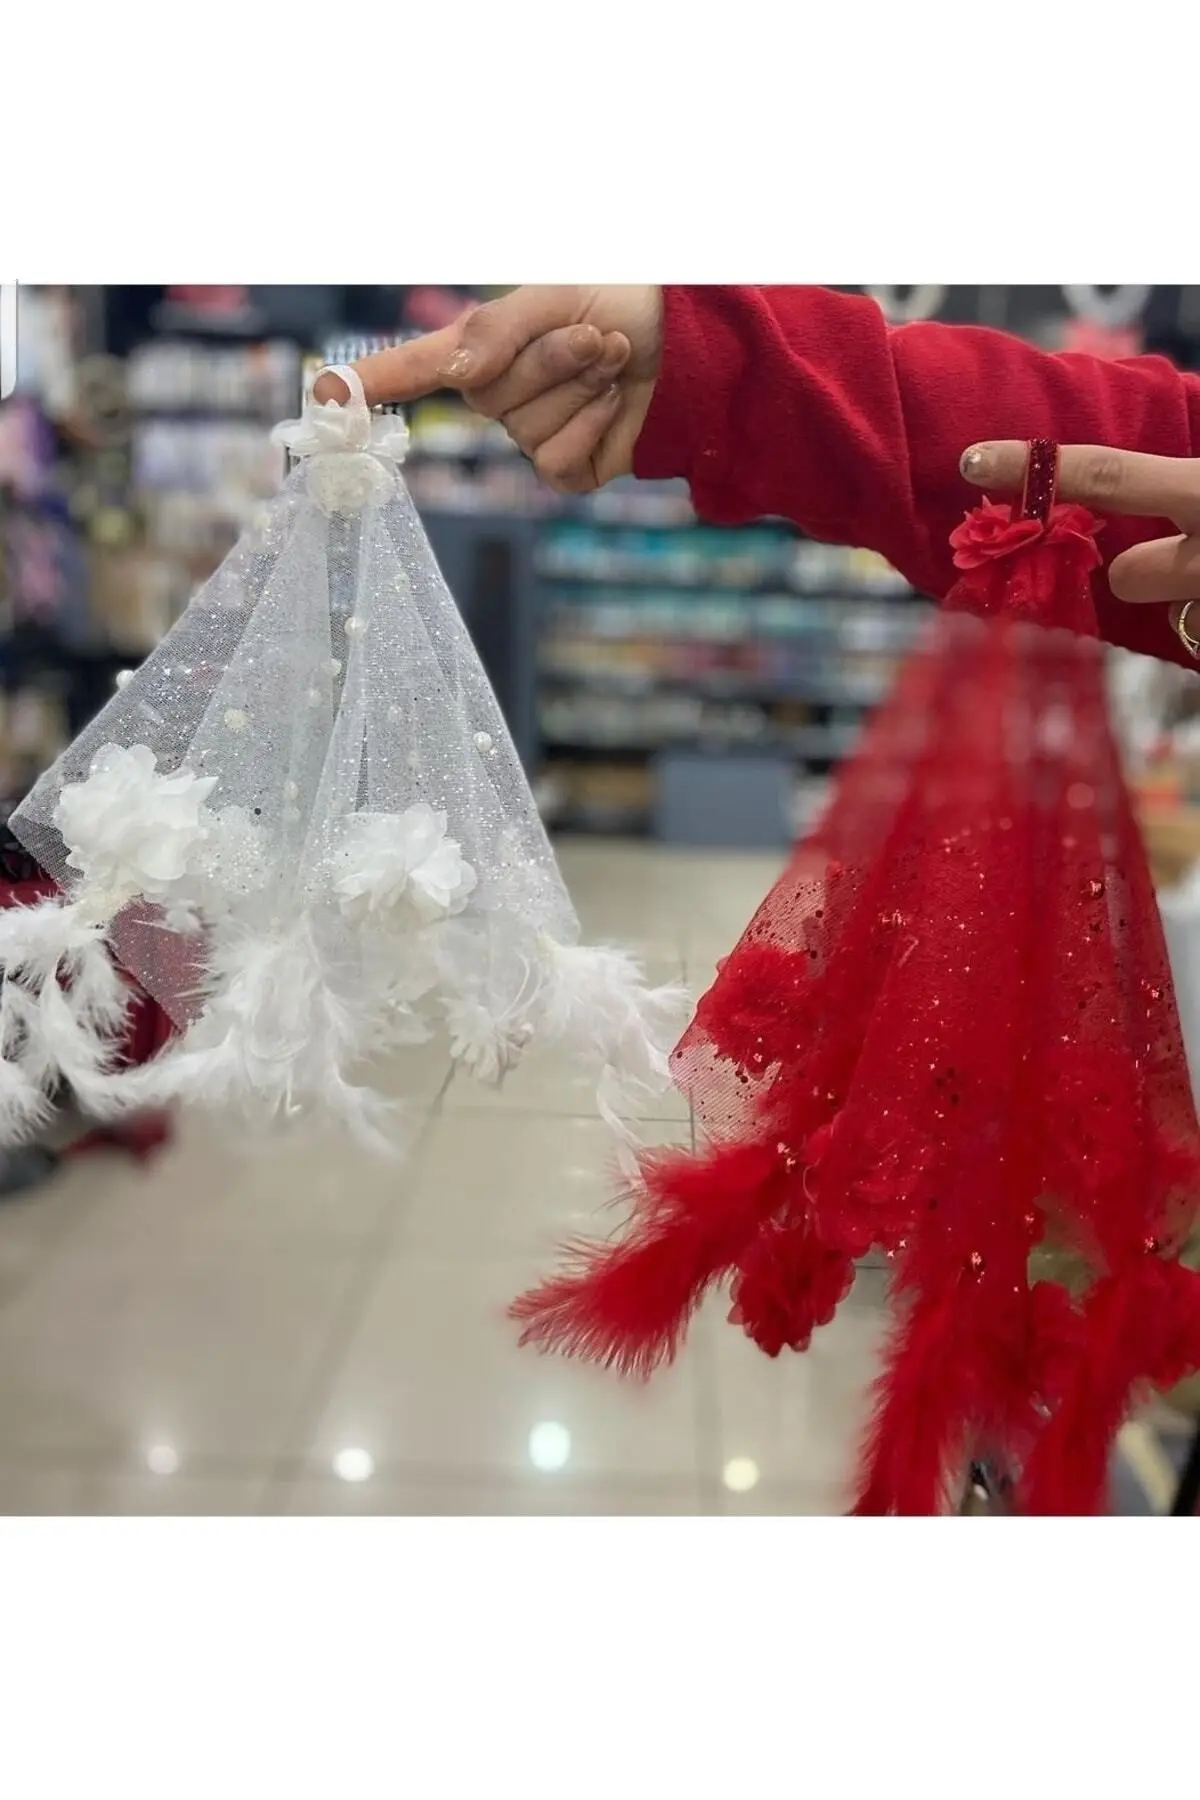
(492, 336)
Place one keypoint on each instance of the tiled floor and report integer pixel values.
(307, 1331)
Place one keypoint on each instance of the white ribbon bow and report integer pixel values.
(351, 457)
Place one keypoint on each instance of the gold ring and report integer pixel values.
(1188, 639)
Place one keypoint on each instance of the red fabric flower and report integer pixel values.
(787, 1284)
(755, 1011)
(990, 531)
(1051, 587)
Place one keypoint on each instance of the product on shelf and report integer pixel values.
(202, 458)
(656, 637)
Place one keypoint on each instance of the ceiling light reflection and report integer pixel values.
(740, 1474)
(354, 1465)
(549, 1446)
(162, 1459)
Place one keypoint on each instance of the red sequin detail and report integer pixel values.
(1041, 480)
(954, 1012)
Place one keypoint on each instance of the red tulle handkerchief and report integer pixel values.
(948, 1035)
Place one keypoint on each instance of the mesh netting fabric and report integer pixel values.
(304, 827)
(949, 1036)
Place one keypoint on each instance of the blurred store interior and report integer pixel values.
(185, 1329)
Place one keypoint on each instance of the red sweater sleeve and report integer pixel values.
(803, 403)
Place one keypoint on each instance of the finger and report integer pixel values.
(531, 425)
(404, 373)
(549, 362)
(1115, 481)
(469, 353)
(565, 460)
(493, 335)
(1164, 569)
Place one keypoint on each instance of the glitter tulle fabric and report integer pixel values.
(948, 1035)
(302, 824)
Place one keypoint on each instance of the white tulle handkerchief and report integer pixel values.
(303, 827)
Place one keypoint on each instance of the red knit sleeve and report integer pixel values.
(803, 403)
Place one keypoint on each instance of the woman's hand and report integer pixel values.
(1122, 481)
(568, 371)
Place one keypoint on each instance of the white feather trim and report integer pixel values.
(486, 1047)
(274, 1036)
(491, 992)
(24, 1085)
(598, 1008)
(24, 1107)
(62, 1014)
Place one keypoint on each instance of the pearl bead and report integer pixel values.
(483, 741)
(290, 791)
(354, 627)
(235, 718)
(124, 677)
(334, 665)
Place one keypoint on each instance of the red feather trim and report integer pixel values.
(628, 1304)
(949, 1023)
(1140, 1330)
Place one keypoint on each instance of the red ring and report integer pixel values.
(1041, 480)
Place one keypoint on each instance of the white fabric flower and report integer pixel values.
(346, 483)
(351, 456)
(128, 829)
(402, 861)
(487, 1048)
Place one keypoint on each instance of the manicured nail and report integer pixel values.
(976, 462)
(458, 366)
(584, 342)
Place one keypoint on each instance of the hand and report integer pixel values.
(569, 372)
(1122, 481)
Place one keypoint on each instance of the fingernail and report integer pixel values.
(600, 377)
(458, 366)
(976, 463)
(584, 342)
(612, 394)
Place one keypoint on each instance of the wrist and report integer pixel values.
(682, 431)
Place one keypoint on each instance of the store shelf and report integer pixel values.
(766, 586)
(657, 635)
(814, 746)
(811, 689)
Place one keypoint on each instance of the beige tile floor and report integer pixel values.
(232, 1333)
